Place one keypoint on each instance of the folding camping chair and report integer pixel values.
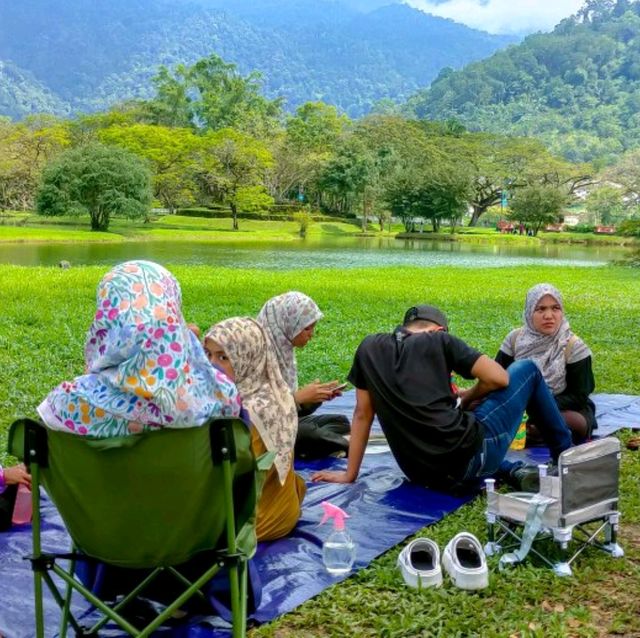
(147, 502)
(585, 491)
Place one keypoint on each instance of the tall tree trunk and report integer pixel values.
(99, 220)
(234, 215)
(364, 210)
(477, 211)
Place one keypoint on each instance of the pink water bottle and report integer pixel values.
(22, 509)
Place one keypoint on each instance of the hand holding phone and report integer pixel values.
(337, 390)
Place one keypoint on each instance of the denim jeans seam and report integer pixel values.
(513, 396)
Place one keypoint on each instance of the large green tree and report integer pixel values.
(432, 193)
(232, 167)
(212, 95)
(346, 177)
(605, 204)
(537, 205)
(171, 153)
(302, 150)
(498, 163)
(100, 180)
(25, 148)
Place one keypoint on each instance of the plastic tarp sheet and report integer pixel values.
(384, 509)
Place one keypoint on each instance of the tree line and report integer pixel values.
(210, 138)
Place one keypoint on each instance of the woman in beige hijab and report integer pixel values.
(241, 348)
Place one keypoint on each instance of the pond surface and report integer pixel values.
(351, 252)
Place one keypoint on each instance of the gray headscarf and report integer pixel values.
(546, 351)
(284, 317)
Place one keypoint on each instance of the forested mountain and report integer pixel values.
(20, 92)
(72, 55)
(577, 88)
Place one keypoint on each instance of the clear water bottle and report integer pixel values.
(22, 509)
(339, 550)
(338, 553)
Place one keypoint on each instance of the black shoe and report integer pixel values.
(525, 478)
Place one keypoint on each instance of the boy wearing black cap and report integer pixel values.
(404, 379)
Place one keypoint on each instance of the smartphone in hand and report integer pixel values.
(339, 388)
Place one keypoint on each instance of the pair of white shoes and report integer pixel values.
(463, 559)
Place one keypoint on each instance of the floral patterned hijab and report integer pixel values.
(265, 395)
(145, 369)
(284, 317)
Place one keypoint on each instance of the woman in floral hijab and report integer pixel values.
(242, 349)
(290, 320)
(563, 358)
(145, 370)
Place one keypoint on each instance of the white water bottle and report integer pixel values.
(22, 508)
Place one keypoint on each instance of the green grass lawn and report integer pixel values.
(46, 311)
(56, 234)
(24, 227)
(29, 227)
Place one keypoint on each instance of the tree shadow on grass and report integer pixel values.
(330, 229)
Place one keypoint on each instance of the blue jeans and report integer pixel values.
(501, 414)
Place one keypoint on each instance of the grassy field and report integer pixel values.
(28, 227)
(25, 227)
(45, 312)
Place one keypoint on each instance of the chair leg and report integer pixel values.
(37, 592)
(66, 610)
(238, 599)
(36, 547)
(243, 568)
(236, 602)
(491, 548)
(611, 536)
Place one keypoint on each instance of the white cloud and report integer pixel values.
(502, 16)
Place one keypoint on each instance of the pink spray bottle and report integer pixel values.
(338, 550)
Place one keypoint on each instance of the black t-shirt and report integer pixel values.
(408, 377)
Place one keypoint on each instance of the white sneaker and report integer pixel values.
(465, 562)
(419, 563)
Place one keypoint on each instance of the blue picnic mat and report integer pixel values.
(384, 509)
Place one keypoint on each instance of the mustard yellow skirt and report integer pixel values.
(279, 506)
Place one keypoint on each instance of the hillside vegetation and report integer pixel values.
(85, 56)
(577, 88)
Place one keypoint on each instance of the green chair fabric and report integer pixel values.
(153, 500)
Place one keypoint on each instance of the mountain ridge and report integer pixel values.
(576, 88)
(86, 57)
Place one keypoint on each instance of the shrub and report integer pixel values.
(580, 228)
(630, 228)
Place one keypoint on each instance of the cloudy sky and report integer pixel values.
(502, 16)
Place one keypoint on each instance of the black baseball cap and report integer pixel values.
(426, 313)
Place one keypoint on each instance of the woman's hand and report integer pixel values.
(316, 392)
(331, 477)
(17, 475)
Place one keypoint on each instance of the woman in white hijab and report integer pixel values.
(563, 358)
(290, 320)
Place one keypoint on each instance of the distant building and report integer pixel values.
(604, 230)
(571, 220)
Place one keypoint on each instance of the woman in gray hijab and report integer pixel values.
(289, 320)
(563, 358)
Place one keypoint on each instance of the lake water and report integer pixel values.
(351, 252)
